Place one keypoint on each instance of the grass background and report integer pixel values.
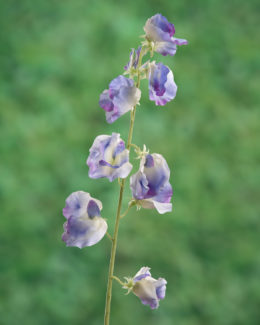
(56, 57)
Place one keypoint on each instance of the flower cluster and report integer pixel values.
(109, 156)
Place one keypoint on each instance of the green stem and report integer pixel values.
(126, 211)
(121, 192)
(118, 280)
(109, 236)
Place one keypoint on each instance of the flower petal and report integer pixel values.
(161, 288)
(162, 87)
(76, 204)
(81, 232)
(139, 185)
(142, 273)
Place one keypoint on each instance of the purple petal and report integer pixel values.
(153, 303)
(119, 82)
(81, 232)
(164, 194)
(179, 41)
(76, 204)
(93, 209)
(139, 185)
(142, 273)
(157, 175)
(161, 288)
(162, 87)
(166, 48)
(149, 162)
(105, 101)
(161, 22)
(158, 29)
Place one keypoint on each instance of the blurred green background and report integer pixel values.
(56, 57)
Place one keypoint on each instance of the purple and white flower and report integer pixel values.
(84, 225)
(161, 32)
(162, 87)
(148, 289)
(120, 98)
(109, 158)
(150, 185)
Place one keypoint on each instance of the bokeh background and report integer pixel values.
(56, 57)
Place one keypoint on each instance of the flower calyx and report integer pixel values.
(128, 285)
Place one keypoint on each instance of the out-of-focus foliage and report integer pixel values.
(56, 57)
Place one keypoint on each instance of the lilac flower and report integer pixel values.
(84, 225)
(159, 31)
(120, 98)
(162, 87)
(109, 158)
(148, 289)
(150, 185)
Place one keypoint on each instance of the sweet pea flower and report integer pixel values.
(109, 158)
(160, 32)
(84, 225)
(148, 289)
(162, 87)
(150, 185)
(120, 98)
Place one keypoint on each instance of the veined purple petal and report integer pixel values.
(162, 87)
(109, 158)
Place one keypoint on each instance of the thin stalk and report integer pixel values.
(109, 236)
(118, 213)
(118, 280)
